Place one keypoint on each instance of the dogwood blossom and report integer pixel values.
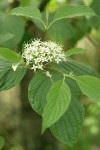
(38, 53)
(48, 74)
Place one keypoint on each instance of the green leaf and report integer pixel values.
(8, 76)
(74, 51)
(63, 28)
(72, 11)
(11, 56)
(40, 83)
(11, 31)
(96, 6)
(90, 86)
(77, 68)
(28, 11)
(37, 91)
(58, 100)
(2, 142)
(68, 128)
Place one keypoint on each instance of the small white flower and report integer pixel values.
(58, 60)
(48, 74)
(37, 53)
(50, 58)
(14, 66)
(40, 66)
(34, 67)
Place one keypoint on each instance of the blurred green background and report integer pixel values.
(20, 126)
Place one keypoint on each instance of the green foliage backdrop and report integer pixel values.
(56, 97)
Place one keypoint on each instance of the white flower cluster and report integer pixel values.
(37, 53)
